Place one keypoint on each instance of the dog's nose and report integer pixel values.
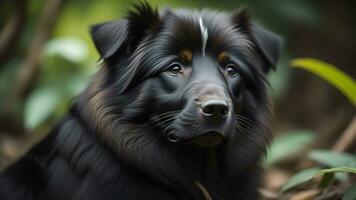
(215, 109)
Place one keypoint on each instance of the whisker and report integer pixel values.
(239, 131)
(162, 116)
(246, 118)
(246, 122)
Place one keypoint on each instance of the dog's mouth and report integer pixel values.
(207, 139)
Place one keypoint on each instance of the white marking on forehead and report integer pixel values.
(204, 35)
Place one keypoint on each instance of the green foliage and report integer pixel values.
(333, 159)
(287, 144)
(308, 174)
(69, 48)
(299, 178)
(61, 78)
(336, 169)
(340, 163)
(343, 82)
(40, 105)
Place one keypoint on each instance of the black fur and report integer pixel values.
(135, 132)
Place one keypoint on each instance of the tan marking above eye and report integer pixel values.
(223, 57)
(186, 56)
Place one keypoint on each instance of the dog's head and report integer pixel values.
(194, 74)
(182, 78)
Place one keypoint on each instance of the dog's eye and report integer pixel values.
(175, 69)
(231, 70)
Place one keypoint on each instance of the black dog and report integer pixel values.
(179, 110)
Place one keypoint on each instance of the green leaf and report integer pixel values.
(339, 172)
(333, 159)
(350, 193)
(287, 144)
(40, 105)
(299, 178)
(308, 174)
(72, 49)
(336, 169)
(343, 82)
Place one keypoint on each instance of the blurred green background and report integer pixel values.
(47, 58)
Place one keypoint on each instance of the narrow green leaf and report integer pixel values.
(343, 82)
(310, 173)
(333, 159)
(350, 193)
(299, 178)
(287, 144)
(336, 169)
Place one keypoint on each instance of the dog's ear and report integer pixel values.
(109, 37)
(143, 20)
(127, 33)
(241, 19)
(268, 44)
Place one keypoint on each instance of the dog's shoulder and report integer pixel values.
(31, 176)
(70, 163)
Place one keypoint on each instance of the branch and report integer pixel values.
(12, 29)
(347, 138)
(29, 68)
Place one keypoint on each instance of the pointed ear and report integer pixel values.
(127, 33)
(143, 19)
(109, 37)
(241, 19)
(269, 46)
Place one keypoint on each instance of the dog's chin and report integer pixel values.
(208, 139)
